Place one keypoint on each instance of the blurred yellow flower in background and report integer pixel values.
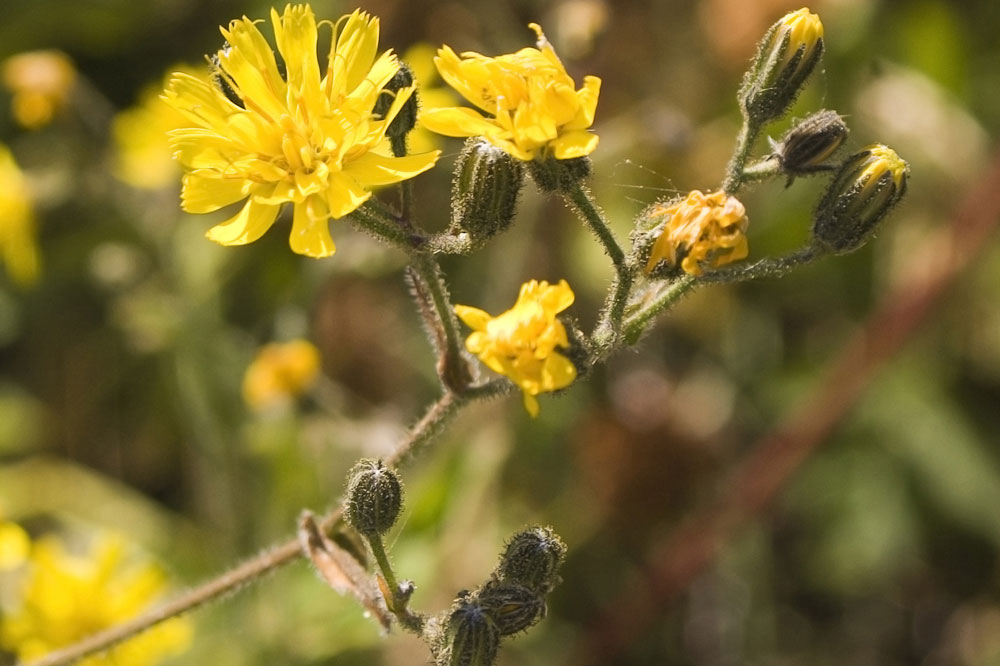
(431, 94)
(14, 545)
(521, 343)
(41, 82)
(303, 139)
(280, 372)
(535, 110)
(18, 229)
(143, 157)
(67, 597)
(700, 230)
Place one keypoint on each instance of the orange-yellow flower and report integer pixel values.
(41, 82)
(702, 230)
(280, 372)
(521, 343)
(309, 138)
(534, 110)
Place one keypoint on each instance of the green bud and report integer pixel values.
(471, 637)
(552, 175)
(807, 147)
(406, 117)
(868, 185)
(485, 190)
(374, 497)
(786, 56)
(511, 606)
(532, 558)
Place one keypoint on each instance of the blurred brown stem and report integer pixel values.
(678, 559)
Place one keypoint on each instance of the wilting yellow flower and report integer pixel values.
(67, 597)
(535, 110)
(521, 343)
(18, 245)
(280, 372)
(41, 82)
(702, 230)
(143, 157)
(305, 139)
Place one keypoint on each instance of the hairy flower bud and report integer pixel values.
(374, 497)
(532, 558)
(406, 118)
(512, 606)
(807, 147)
(868, 185)
(471, 638)
(485, 190)
(552, 175)
(786, 56)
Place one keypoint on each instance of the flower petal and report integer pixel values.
(311, 229)
(372, 169)
(576, 143)
(345, 194)
(458, 121)
(246, 226)
(203, 193)
(474, 318)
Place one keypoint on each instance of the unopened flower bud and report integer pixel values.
(553, 175)
(868, 185)
(471, 637)
(406, 118)
(786, 56)
(485, 190)
(512, 606)
(374, 497)
(807, 147)
(532, 558)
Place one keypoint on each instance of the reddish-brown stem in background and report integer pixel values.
(674, 562)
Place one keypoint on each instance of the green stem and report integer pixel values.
(453, 364)
(734, 172)
(636, 323)
(767, 267)
(765, 169)
(377, 220)
(609, 326)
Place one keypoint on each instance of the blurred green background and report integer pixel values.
(120, 368)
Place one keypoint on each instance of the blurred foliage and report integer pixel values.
(120, 369)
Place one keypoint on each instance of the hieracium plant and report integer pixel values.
(313, 140)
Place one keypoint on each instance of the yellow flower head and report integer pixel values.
(881, 160)
(803, 29)
(280, 371)
(41, 82)
(143, 156)
(534, 108)
(700, 230)
(67, 597)
(309, 138)
(14, 545)
(18, 244)
(521, 343)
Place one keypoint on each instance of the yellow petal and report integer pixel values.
(246, 226)
(203, 191)
(458, 121)
(372, 169)
(558, 372)
(531, 404)
(295, 36)
(345, 194)
(575, 143)
(587, 97)
(249, 62)
(474, 318)
(311, 230)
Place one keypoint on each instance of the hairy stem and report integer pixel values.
(666, 296)
(431, 424)
(609, 326)
(734, 172)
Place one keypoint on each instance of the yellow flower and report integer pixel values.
(521, 343)
(143, 157)
(67, 597)
(14, 545)
(18, 245)
(804, 31)
(303, 138)
(535, 110)
(700, 230)
(41, 82)
(280, 371)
